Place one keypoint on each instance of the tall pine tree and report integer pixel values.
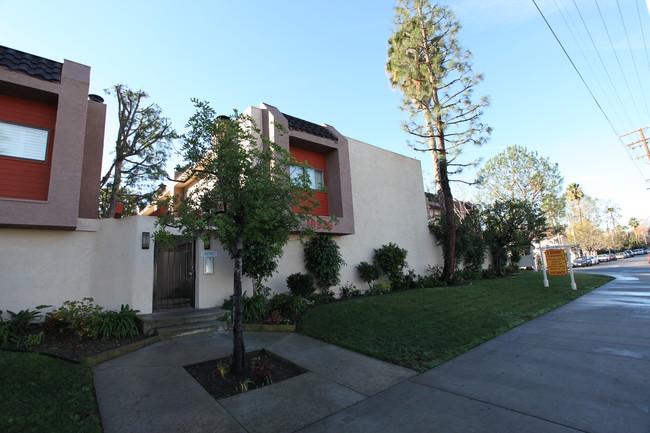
(432, 70)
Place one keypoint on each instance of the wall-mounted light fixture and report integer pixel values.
(146, 240)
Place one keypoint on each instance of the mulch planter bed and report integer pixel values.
(205, 373)
(71, 348)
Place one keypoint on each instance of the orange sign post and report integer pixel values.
(555, 263)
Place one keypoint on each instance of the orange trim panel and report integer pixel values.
(317, 161)
(22, 178)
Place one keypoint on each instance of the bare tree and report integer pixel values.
(141, 151)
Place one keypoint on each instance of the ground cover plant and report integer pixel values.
(43, 394)
(422, 328)
(74, 331)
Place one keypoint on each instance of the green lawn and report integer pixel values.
(421, 328)
(42, 394)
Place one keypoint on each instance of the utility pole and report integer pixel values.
(641, 143)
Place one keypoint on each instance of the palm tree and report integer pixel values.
(575, 193)
(611, 210)
(634, 223)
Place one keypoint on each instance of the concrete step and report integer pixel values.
(190, 329)
(151, 322)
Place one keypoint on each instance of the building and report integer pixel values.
(51, 145)
(377, 197)
(53, 248)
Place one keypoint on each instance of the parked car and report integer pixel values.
(621, 255)
(581, 262)
(604, 257)
(629, 253)
(612, 257)
(638, 252)
(594, 260)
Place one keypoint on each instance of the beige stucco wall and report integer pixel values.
(389, 206)
(102, 259)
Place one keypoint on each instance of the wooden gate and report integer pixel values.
(174, 276)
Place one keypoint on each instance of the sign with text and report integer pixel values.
(556, 262)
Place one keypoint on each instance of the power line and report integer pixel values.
(585, 84)
(618, 61)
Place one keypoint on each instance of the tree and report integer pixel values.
(634, 223)
(509, 225)
(470, 245)
(141, 151)
(575, 194)
(323, 260)
(433, 72)
(519, 174)
(244, 196)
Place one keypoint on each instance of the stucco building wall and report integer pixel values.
(102, 259)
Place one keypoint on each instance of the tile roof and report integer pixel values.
(310, 128)
(29, 64)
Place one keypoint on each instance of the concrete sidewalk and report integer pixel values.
(584, 367)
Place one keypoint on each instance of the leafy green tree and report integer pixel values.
(244, 196)
(141, 151)
(434, 74)
(510, 225)
(519, 174)
(470, 245)
(323, 260)
(586, 219)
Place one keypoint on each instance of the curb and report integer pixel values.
(119, 351)
(265, 327)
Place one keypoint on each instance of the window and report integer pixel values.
(316, 177)
(26, 142)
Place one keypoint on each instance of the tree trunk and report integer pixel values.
(238, 362)
(115, 188)
(449, 249)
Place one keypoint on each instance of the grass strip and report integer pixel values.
(422, 328)
(43, 394)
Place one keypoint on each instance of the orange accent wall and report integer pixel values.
(22, 178)
(317, 161)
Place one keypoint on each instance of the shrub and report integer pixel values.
(488, 273)
(391, 259)
(5, 331)
(407, 282)
(285, 303)
(254, 307)
(22, 320)
(368, 272)
(80, 317)
(88, 320)
(301, 284)
(379, 288)
(348, 290)
(322, 298)
(323, 260)
(118, 324)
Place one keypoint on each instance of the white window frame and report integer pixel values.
(316, 176)
(23, 141)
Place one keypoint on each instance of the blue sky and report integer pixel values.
(324, 61)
